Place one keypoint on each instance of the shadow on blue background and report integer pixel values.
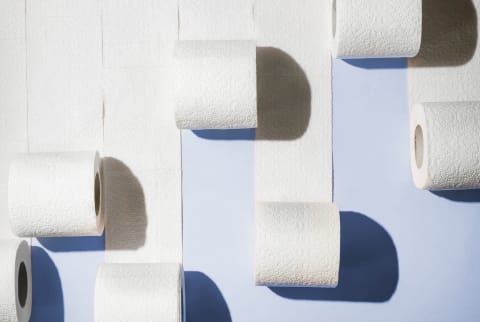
(230, 135)
(47, 296)
(459, 195)
(73, 244)
(204, 301)
(378, 63)
(368, 265)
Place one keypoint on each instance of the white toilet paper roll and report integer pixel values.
(55, 194)
(216, 84)
(376, 28)
(297, 244)
(138, 292)
(445, 145)
(15, 281)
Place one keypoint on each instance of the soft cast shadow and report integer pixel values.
(73, 244)
(47, 294)
(204, 301)
(230, 135)
(368, 265)
(124, 206)
(283, 100)
(283, 96)
(378, 63)
(449, 33)
(459, 195)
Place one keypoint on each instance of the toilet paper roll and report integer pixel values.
(297, 244)
(138, 292)
(15, 281)
(445, 145)
(55, 194)
(216, 84)
(376, 28)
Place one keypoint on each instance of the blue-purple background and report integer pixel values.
(407, 255)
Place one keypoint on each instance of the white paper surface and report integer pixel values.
(64, 75)
(447, 68)
(142, 144)
(216, 19)
(215, 84)
(445, 145)
(13, 108)
(55, 194)
(293, 150)
(376, 28)
(447, 71)
(297, 244)
(138, 292)
(16, 280)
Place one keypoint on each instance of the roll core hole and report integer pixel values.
(418, 146)
(22, 286)
(334, 17)
(98, 194)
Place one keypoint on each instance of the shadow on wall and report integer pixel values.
(204, 301)
(449, 33)
(124, 206)
(368, 265)
(283, 100)
(459, 195)
(47, 297)
(73, 244)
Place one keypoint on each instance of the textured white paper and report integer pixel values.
(55, 194)
(16, 280)
(138, 292)
(293, 150)
(215, 84)
(293, 147)
(447, 70)
(64, 75)
(216, 19)
(445, 145)
(376, 28)
(13, 107)
(297, 244)
(142, 144)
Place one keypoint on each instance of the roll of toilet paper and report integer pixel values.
(376, 28)
(55, 194)
(16, 281)
(216, 84)
(297, 244)
(138, 292)
(445, 145)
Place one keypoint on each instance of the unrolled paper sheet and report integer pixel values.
(138, 292)
(447, 71)
(216, 19)
(215, 84)
(297, 244)
(13, 101)
(64, 75)
(16, 281)
(56, 194)
(376, 28)
(445, 145)
(293, 147)
(142, 144)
